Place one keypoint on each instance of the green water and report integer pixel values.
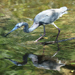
(18, 43)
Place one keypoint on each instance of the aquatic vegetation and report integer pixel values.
(17, 44)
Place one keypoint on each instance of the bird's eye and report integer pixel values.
(17, 26)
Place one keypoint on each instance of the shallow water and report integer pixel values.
(18, 43)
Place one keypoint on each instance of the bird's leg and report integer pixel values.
(57, 38)
(57, 35)
(58, 32)
(42, 35)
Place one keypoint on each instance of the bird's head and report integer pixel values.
(18, 25)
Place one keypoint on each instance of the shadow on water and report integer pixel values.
(69, 67)
(43, 62)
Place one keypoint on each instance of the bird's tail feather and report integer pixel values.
(63, 8)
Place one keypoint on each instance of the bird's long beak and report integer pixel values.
(11, 31)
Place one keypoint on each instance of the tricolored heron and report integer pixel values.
(43, 18)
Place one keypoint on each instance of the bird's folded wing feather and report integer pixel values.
(47, 16)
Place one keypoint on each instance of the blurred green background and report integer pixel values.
(18, 42)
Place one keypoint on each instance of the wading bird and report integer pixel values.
(43, 18)
(40, 61)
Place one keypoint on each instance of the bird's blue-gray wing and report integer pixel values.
(47, 16)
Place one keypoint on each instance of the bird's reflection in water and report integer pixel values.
(40, 61)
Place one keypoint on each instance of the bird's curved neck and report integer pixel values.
(27, 29)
